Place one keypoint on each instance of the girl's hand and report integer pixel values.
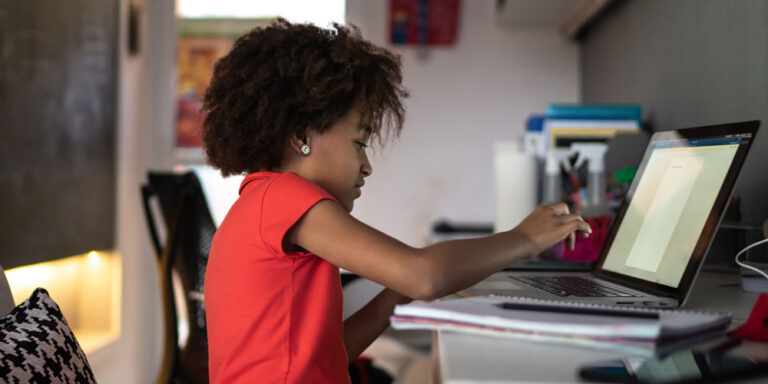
(549, 224)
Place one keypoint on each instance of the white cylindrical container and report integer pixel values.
(551, 190)
(516, 178)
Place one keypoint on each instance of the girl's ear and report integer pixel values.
(296, 142)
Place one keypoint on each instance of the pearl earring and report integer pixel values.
(305, 150)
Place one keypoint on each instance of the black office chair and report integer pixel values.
(190, 229)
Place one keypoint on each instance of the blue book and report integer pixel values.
(535, 123)
(595, 112)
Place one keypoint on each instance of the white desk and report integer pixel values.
(463, 358)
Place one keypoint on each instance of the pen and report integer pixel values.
(580, 310)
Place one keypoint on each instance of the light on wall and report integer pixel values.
(318, 12)
(86, 287)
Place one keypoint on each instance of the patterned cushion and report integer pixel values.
(37, 346)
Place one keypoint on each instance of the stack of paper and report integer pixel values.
(632, 330)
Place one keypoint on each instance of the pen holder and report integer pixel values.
(588, 249)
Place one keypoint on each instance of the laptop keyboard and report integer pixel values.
(572, 286)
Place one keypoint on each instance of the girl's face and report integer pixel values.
(338, 161)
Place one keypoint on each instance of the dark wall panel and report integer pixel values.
(688, 63)
(57, 126)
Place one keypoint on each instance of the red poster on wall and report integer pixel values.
(423, 22)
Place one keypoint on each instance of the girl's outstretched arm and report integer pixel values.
(328, 231)
(421, 273)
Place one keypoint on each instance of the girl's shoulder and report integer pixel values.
(282, 187)
(257, 179)
(269, 179)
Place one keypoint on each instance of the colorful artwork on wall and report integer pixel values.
(196, 59)
(424, 22)
(201, 43)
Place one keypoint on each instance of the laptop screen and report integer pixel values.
(670, 206)
(675, 203)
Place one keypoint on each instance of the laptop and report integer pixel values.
(663, 229)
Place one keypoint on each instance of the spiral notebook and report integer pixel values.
(644, 331)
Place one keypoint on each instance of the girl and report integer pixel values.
(295, 106)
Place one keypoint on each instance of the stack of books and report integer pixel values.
(633, 331)
(564, 124)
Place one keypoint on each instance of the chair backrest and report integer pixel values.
(190, 229)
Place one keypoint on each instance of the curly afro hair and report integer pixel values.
(284, 79)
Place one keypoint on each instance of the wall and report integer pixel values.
(463, 98)
(57, 102)
(135, 357)
(64, 85)
(689, 63)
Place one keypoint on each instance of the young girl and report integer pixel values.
(295, 107)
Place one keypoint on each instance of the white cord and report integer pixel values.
(747, 266)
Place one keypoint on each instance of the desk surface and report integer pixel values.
(464, 358)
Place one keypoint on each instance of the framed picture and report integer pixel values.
(424, 22)
(201, 43)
